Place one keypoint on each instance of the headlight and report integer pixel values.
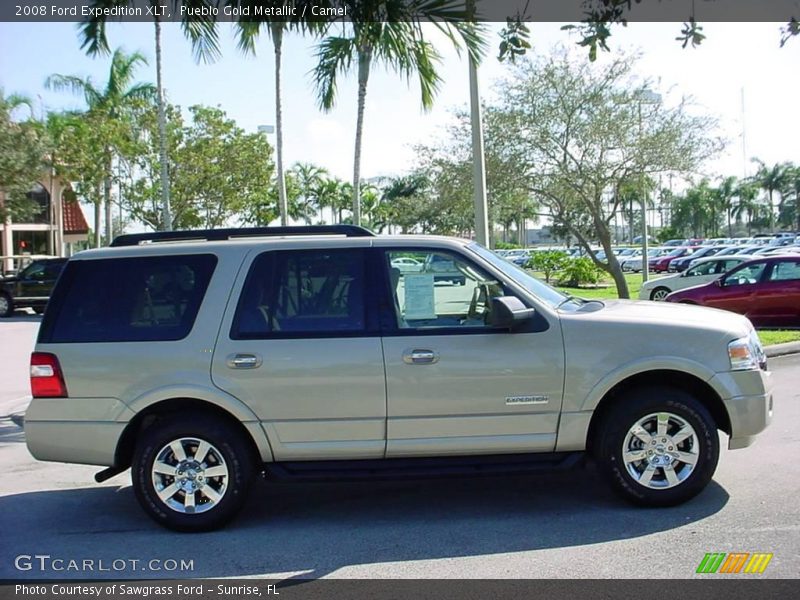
(747, 353)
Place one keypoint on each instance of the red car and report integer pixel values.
(660, 264)
(766, 290)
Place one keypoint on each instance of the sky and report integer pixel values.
(733, 58)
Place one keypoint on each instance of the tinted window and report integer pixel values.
(304, 292)
(129, 299)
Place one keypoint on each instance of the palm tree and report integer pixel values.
(199, 28)
(771, 179)
(391, 33)
(108, 104)
(725, 193)
(747, 207)
(309, 177)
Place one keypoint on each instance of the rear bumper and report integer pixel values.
(75, 430)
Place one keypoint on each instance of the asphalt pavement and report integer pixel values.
(567, 525)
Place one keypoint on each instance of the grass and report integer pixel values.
(608, 291)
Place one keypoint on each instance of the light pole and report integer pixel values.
(478, 160)
(282, 204)
(645, 97)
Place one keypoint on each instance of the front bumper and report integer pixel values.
(747, 396)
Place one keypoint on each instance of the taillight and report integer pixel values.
(47, 380)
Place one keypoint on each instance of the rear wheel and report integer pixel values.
(658, 446)
(659, 294)
(6, 306)
(192, 474)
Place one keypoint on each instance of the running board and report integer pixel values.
(404, 468)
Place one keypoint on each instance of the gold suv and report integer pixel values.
(199, 359)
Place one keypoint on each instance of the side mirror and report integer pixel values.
(718, 282)
(509, 312)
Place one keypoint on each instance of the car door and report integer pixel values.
(456, 385)
(778, 297)
(737, 289)
(32, 284)
(302, 348)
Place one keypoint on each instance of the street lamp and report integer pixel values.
(645, 97)
(282, 203)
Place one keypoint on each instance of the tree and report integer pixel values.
(218, 172)
(724, 194)
(547, 262)
(107, 107)
(770, 180)
(24, 152)
(576, 132)
(389, 32)
(197, 25)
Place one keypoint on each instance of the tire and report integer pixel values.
(217, 498)
(6, 306)
(647, 481)
(659, 294)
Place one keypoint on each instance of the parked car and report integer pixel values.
(11, 265)
(519, 257)
(406, 264)
(682, 263)
(31, 287)
(633, 263)
(765, 290)
(306, 356)
(676, 242)
(703, 271)
(660, 264)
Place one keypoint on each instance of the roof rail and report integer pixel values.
(215, 235)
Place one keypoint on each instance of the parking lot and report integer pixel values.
(566, 525)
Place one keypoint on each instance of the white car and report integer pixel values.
(705, 270)
(406, 264)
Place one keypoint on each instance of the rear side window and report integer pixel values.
(128, 299)
(305, 293)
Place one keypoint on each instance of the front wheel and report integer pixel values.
(658, 446)
(192, 473)
(659, 294)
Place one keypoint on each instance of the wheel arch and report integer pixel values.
(251, 431)
(671, 378)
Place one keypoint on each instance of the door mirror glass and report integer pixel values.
(509, 312)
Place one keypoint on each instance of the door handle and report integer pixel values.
(419, 356)
(243, 361)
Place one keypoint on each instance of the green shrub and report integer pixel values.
(505, 246)
(580, 271)
(547, 262)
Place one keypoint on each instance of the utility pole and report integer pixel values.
(482, 232)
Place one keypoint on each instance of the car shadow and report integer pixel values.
(20, 316)
(309, 530)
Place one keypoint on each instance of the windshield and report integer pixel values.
(540, 289)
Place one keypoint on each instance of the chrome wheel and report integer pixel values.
(659, 294)
(190, 476)
(5, 305)
(660, 451)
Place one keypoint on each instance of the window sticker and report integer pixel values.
(419, 301)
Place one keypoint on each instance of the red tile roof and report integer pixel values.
(74, 221)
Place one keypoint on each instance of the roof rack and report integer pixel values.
(215, 235)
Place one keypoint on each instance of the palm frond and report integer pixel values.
(77, 86)
(201, 30)
(334, 55)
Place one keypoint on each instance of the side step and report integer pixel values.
(406, 468)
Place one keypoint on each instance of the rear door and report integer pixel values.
(301, 346)
(456, 385)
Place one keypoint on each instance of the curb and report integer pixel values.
(782, 349)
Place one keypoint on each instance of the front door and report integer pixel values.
(455, 384)
(303, 350)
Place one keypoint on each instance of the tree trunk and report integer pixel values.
(364, 60)
(277, 41)
(771, 214)
(162, 136)
(98, 215)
